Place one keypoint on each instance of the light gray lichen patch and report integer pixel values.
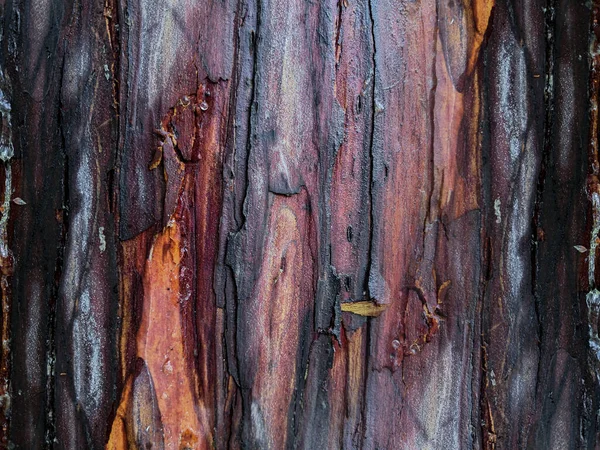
(102, 237)
(497, 210)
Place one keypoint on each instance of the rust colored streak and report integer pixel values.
(336, 390)
(119, 438)
(462, 27)
(178, 347)
(456, 160)
(133, 260)
(161, 340)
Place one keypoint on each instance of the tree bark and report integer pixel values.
(287, 224)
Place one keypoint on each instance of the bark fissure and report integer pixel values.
(374, 112)
(536, 227)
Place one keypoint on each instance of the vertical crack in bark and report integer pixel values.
(371, 223)
(112, 17)
(537, 233)
(237, 317)
(50, 433)
(427, 218)
(113, 35)
(371, 146)
(485, 418)
(226, 417)
(252, 109)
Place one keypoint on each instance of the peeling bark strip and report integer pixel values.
(289, 224)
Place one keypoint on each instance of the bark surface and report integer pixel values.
(288, 224)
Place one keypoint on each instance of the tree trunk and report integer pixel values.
(365, 224)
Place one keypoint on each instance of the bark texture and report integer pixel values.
(367, 224)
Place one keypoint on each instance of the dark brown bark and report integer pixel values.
(282, 224)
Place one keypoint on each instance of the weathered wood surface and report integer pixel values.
(290, 224)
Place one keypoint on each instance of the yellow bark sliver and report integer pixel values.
(364, 308)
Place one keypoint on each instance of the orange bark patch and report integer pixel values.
(160, 344)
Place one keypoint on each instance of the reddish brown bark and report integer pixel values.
(281, 224)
